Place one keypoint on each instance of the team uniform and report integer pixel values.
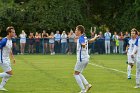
(5, 49)
(137, 49)
(131, 60)
(131, 44)
(82, 61)
(82, 54)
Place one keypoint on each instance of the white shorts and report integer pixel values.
(80, 66)
(6, 66)
(130, 59)
(22, 40)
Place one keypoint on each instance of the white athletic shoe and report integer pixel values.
(129, 77)
(3, 89)
(82, 91)
(88, 87)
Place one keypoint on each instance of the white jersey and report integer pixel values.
(131, 46)
(5, 48)
(137, 49)
(82, 53)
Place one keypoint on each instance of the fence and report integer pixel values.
(43, 47)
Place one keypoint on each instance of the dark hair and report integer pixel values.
(134, 30)
(81, 28)
(8, 29)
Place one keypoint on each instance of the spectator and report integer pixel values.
(22, 41)
(51, 43)
(45, 41)
(37, 41)
(14, 40)
(100, 43)
(121, 43)
(107, 36)
(63, 42)
(57, 45)
(115, 38)
(31, 43)
(71, 37)
(126, 40)
(92, 33)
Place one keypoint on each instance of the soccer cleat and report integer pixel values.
(88, 87)
(3, 89)
(129, 77)
(137, 87)
(82, 91)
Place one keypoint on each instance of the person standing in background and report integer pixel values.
(63, 42)
(121, 43)
(115, 38)
(45, 41)
(14, 40)
(71, 37)
(100, 43)
(107, 36)
(57, 44)
(22, 42)
(51, 43)
(126, 40)
(37, 41)
(92, 34)
(31, 43)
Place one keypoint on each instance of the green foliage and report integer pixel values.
(52, 15)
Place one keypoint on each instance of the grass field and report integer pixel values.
(54, 74)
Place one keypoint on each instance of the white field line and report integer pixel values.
(110, 68)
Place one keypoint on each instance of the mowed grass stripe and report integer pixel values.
(54, 74)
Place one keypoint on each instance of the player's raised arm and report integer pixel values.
(93, 39)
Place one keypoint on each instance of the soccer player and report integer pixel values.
(136, 51)
(5, 51)
(82, 58)
(129, 50)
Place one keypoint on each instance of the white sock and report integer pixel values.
(4, 81)
(137, 81)
(137, 77)
(4, 74)
(79, 81)
(83, 79)
(128, 70)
